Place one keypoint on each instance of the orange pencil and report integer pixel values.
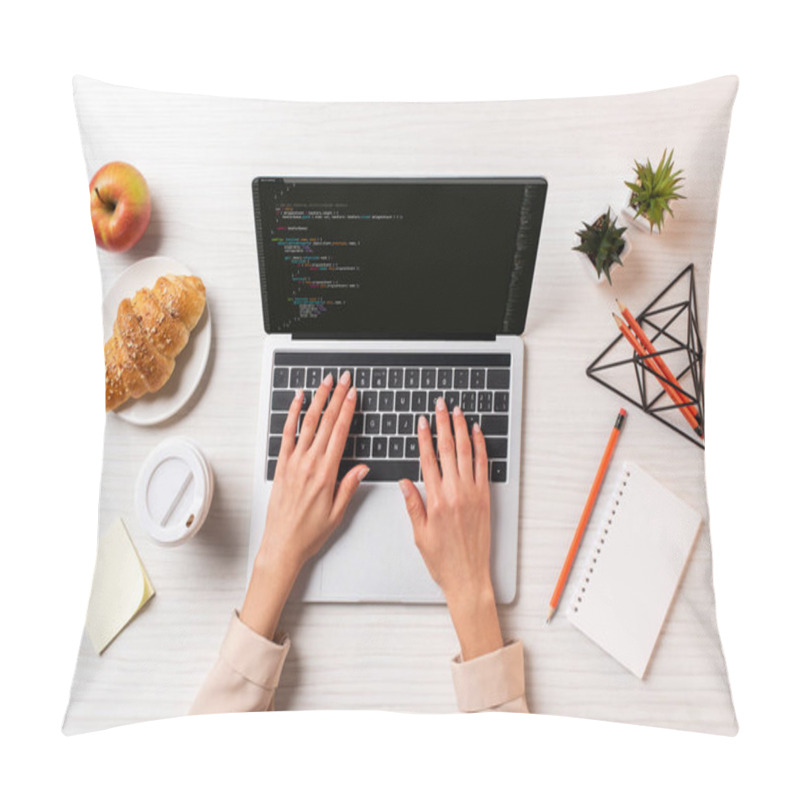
(674, 396)
(587, 511)
(648, 345)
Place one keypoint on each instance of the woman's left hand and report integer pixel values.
(305, 505)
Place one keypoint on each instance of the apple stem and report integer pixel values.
(100, 198)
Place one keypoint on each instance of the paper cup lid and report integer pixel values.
(173, 491)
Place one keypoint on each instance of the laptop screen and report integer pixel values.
(397, 257)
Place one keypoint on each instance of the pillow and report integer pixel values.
(198, 156)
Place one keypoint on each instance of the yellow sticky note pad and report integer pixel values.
(120, 589)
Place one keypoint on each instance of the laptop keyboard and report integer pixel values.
(394, 390)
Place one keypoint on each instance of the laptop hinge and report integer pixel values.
(414, 337)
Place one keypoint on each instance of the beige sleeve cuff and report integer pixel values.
(492, 682)
(246, 673)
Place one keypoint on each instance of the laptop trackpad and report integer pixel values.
(372, 555)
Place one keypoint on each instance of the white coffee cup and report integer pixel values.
(174, 491)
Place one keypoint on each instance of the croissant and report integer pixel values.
(150, 330)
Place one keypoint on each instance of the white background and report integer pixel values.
(52, 413)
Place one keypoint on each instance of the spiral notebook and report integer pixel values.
(634, 568)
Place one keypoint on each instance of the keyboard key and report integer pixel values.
(468, 400)
(501, 401)
(274, 446)
(432, 398)
(484, 402)
(297, 378)
(282, 399)
(498, 472)
(418, 401)
(477, 379)
(498, 378)
(389, 424)
(379, 378)
(313, 377)
(363, 447)
(428, 379)
(402, 401)
(369, 401)
(386, 401)
(396, 447)
(451, 400)
(496, 448)
(384, 470)
(411, 380)
(444, 378)
(494, 425)
(357, 424)
(412, 447)
(349, 447)
(276, 423)
(472, 419)
(461, 379)
(405, 424)
(379, 446)
(280, 377)
(271, 469)
(395, 378)
(362, 378)
(373, 424)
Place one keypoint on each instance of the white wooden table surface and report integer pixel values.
(199, 156)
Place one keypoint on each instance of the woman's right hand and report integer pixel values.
(453, 534)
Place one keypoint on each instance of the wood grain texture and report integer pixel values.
(199, 155)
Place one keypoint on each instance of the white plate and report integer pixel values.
(191, 362)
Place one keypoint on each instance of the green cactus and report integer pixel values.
(654, 189)
(602, 242)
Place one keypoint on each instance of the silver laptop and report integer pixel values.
(420, 288)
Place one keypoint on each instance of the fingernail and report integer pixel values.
(328, 380)
(351, 395)
(457, 410)
(362, 473)
(423, 423)
(298, 394)
(404, 488)
(345, 377)
(440, 404)
(476, 428)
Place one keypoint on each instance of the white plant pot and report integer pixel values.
(639, 222)
(601, 278)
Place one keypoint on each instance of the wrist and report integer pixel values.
(276, 561)
(474, 616)
(270, 584)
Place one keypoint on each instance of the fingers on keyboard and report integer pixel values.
(389, 403)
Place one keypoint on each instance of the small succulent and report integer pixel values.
(602, 242)
(654, 189)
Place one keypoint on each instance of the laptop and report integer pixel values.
(420, 288)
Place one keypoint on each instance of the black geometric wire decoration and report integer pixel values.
(674, 331)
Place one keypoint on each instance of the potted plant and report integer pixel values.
(652, 192)
(603, 244)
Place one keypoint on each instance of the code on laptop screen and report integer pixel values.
(397, 257)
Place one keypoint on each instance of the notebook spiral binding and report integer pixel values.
(586, 579)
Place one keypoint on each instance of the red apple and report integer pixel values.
(120, 203)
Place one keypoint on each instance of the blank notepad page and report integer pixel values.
(637, 557)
